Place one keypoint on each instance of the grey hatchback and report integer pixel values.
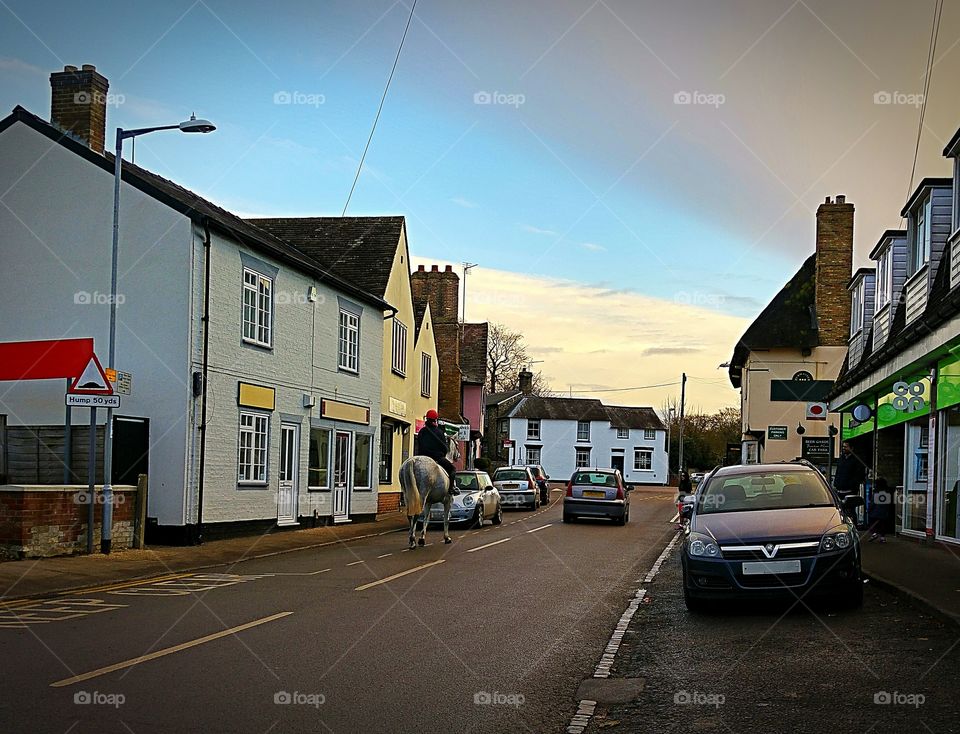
(597, 493)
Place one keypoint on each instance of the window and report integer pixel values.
(362, 450)
(583, 458)
(399, 361)
(386, 454)
(426, 370)
(920, 251)
(856, 309)
(533, 429)
(318, 473)
(503, 426)
(257, 308)
(533, 454)
(623, 433)
(884, 285)
(583, 430)
(349, 352)
(643, 459)
(252, 455)
(649, 434)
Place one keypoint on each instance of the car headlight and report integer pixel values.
(838, 538)
(468, 500)
(702, 545)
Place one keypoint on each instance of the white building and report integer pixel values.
(564, 434)
(256, 373)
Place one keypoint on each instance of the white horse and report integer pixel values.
(425, 483)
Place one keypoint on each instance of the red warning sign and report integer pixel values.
(92, 381)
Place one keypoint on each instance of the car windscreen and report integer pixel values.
(509, 475)
(597, 478)
(763, 491)
(468, 481)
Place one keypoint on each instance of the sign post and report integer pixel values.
(91, 477)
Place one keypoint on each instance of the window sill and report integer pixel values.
(318, 489)
(398, 373)
(348, 371)
(256, 345)
(252, 485)
(855, 334)
(919, 275)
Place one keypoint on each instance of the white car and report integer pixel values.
(478, 500)
(517, 486)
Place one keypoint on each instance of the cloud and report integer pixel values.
(537, 230)
(654, 351)
(593, 247)
(465, 203)
(11, 65)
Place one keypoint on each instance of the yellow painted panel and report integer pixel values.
(256, 396)
(344, 412)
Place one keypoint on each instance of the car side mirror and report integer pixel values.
(686, 512)
(852, 502)
(628, 487)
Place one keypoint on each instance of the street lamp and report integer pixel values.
(193, 125)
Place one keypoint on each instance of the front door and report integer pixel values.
(616, 462)
(289, 474)
(131, 449)
(341, 477)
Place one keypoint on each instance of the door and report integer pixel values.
(341, 477)
(288, 491)
(616, 462)
(131, 449)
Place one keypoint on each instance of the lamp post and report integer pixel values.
(671, 412)
(193, 125)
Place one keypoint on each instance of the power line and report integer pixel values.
(931, 55)
(627, 389)
(376, 119)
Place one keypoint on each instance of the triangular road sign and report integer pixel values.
(92, 381)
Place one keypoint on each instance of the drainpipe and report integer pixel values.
(933, 465)
(203, 387)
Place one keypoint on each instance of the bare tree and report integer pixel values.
(506, 358)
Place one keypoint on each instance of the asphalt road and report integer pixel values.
(890, 667)
(492, 633)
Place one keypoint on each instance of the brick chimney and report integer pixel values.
(441, 289)
(78, 103)
(526, 382)
(834, 269)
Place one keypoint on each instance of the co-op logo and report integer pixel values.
(908, 397)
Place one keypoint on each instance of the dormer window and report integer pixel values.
(856, 309)
(884, 277)
(920, 242)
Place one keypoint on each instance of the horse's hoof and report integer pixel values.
(447, 541)
(421, 541)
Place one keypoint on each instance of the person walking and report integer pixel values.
(850, 473)
(881, 510)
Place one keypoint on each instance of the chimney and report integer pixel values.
(439, 288)
(78, 104)
(526, 382)
(834, 268)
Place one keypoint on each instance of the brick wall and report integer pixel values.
(52, 521)
(441, 289)
(834, 269)
(388, 502)
(78, 103)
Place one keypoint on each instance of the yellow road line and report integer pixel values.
(481, 547)
(398, 575)
(165, 651)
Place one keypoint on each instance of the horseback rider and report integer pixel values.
(432, 441)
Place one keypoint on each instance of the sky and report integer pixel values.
(635, 179)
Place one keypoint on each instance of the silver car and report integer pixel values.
(517, 486)
(478, 500)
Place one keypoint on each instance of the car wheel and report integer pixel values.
(498, 515)
(697, 606)
(853, 599)
(478, 520)
(567, 518)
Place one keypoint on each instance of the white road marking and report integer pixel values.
(398, 575)
(385, 555)
(298, 573)
(481, 547)
(355, 563)
(675, 517)
(166, 651)
(548, 525)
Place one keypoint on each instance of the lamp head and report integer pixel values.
(193, 125)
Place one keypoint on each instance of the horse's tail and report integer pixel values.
(411, 492)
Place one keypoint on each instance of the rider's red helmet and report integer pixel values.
(432, 415)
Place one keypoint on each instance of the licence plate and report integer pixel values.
(594, 493)
(757, 568)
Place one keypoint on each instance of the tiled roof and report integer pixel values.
(560, 409)
(194, 206)
(627, 417)
(787, 321)
(496, 398)
(473, 353)
(357, 249)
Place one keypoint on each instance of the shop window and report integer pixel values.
(386, 454)
(949, 507)
(318, 474)
(253, 442)
(363, 449)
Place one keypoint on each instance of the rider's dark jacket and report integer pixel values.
(432, 441)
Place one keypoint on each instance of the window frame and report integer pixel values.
(921, 245)
(537, 451)
(533, 429)
(576, 458)
(637, 452)
(884, 284)
(426, 373)
(398, 351)
(343, 338)
(329, 457)
(385, 468)
(257, 418)
(623, 433)
(369, 468)
(263, 307)
(857, 308)
(649, 434)
(580, 434)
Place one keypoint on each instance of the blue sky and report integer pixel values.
(583, 169)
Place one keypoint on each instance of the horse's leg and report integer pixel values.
(447, 501)
(424, 518)
(410, 539)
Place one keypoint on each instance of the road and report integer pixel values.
(492, 633)
(889, 667)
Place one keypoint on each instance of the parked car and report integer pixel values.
(769, 530)
(478, 500)
(697, 478)
(517, 487)
(597, 493)
(540, 474)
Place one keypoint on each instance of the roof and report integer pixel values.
(890, 234)
(861, 272)
(419, 312)
(191, 205)
(787, 321)
(927, 183)
(627, 417)
(473, 353)
(560, 409)
(358, 249)
(951, 148)
(498, 398)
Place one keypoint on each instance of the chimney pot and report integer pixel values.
(448, 269)
(434, 268)
(421, 269)
(841, 199)
(70, 67)
(827, 200)
(88, 67)
(526, 382)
